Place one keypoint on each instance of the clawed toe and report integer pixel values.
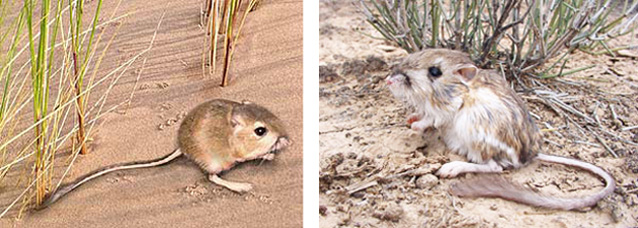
(268, 157)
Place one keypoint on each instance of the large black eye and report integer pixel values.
(260, 131)
(435, 72)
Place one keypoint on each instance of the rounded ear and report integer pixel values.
(467, 71)
(246, 102)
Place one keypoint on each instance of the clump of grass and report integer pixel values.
(42, 60)
(221, 17)
(517, 34)
(80, 63)
(57, 63)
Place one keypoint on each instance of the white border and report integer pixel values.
(311, 113)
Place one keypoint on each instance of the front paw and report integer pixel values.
(413, 118)
(451, 169)
(420, 126)
(268, 157)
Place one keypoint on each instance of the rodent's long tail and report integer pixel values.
(63, 190)
(497, 186)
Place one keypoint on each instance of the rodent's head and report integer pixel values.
(434, 75)
(256, 130)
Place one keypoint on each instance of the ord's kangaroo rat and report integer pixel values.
(481, 117)
(216, 135)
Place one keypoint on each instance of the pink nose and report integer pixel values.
(388, 81)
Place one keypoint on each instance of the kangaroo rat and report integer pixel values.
(216, 135)
(480, 117)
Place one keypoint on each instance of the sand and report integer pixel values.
(267, 70)
(364, 135)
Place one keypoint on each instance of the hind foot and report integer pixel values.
(453, 169)
(233, 186)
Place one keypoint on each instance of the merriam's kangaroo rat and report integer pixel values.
(480, 117)
(216, 135)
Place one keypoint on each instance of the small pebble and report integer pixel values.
(323, 210)
(358, 195)
(427, 181)
(392, 212)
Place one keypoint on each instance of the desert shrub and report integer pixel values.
(518, 35)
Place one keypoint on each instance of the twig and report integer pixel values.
(548, 104)
(372, 181)
(553, 143)
(454, 203)
(415, 171)
(498, 29)
(618, 137)
(549, 126)
(595, 114)
(629, 128)
(536, 116)
(602, 142)
(580, 129)
(568, 72)
(570, 109)
(614, 116)
(586, 143)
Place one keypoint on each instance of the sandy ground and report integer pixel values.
(267, 70)
(364, 135)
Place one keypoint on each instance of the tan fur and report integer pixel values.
(220, 133)
(481, 117)
(207, 135)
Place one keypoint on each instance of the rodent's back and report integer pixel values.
(203, 135)
(501, 113)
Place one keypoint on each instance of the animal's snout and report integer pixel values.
(396, 76)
